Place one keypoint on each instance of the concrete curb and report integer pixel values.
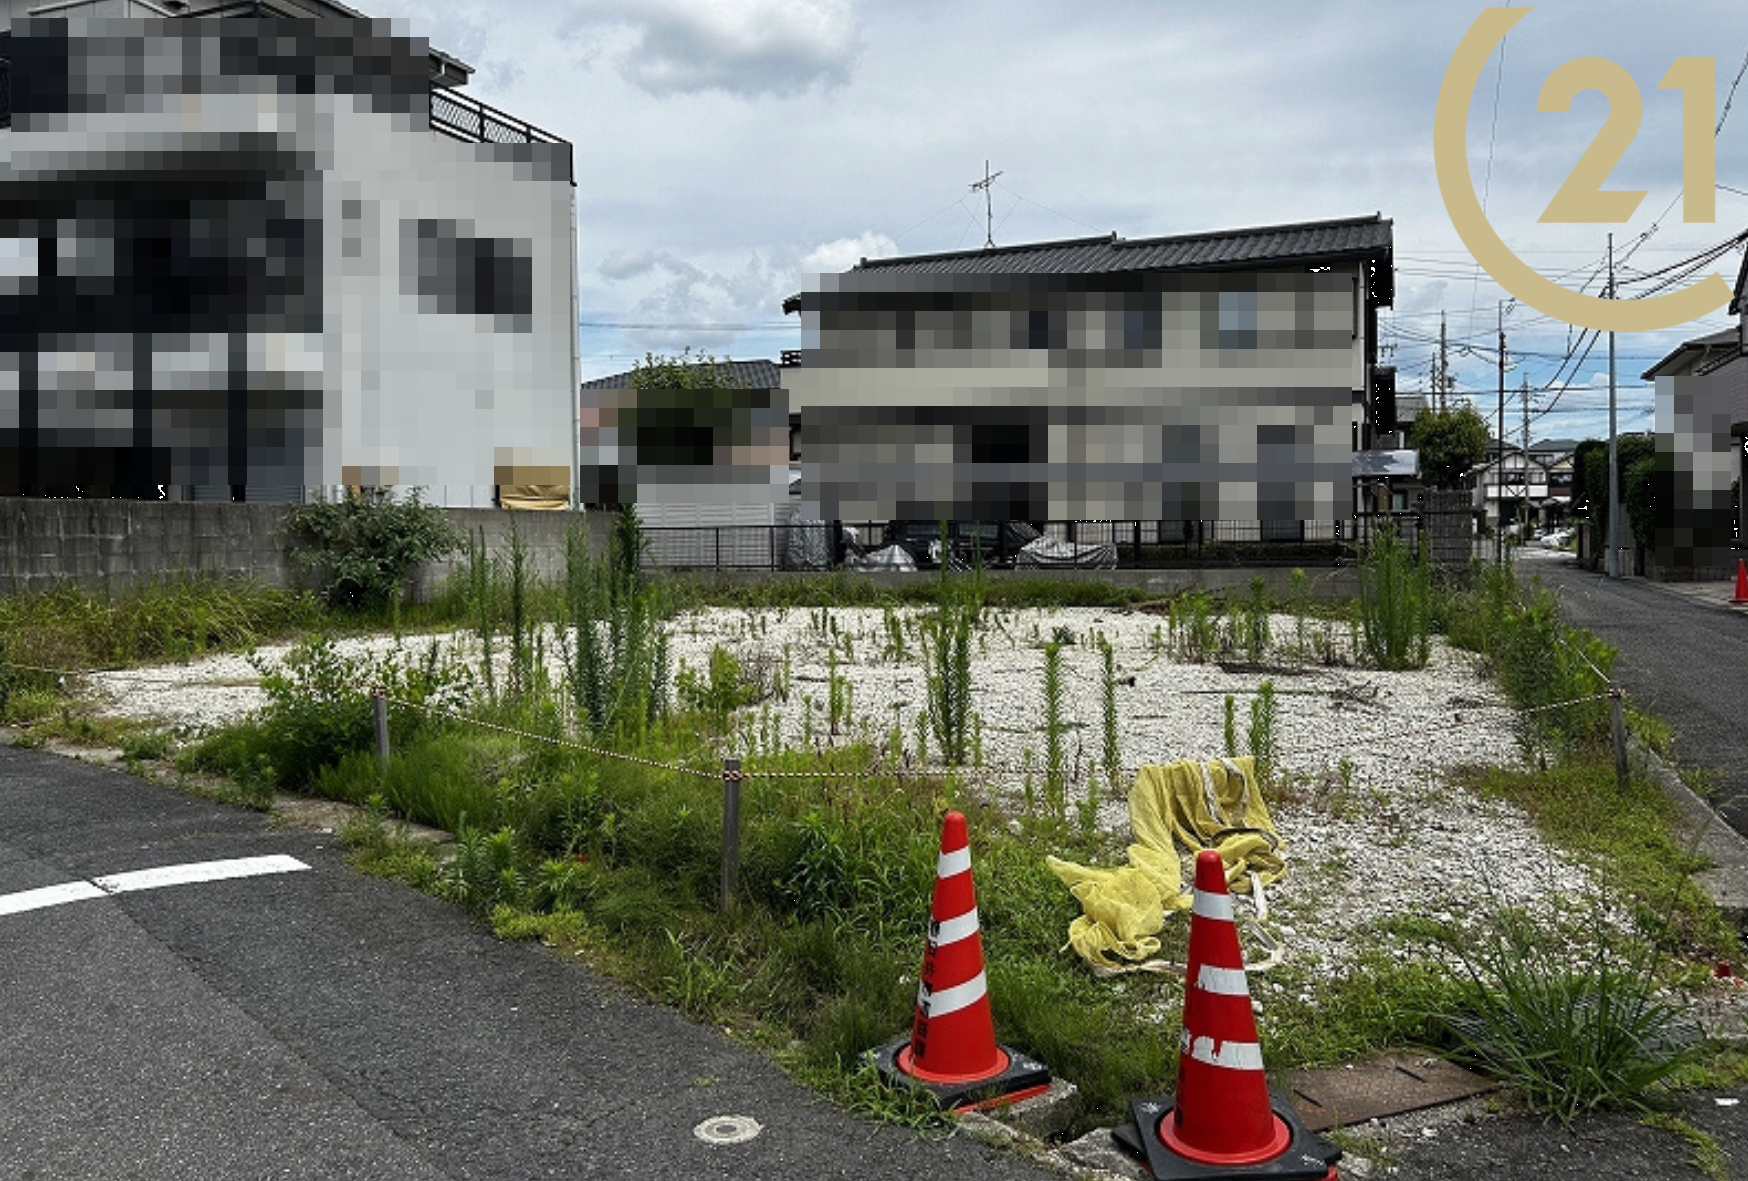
(1710, 836)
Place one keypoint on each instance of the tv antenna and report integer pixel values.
(988, 208)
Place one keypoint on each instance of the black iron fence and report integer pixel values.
(1123, 545)
(474, 122)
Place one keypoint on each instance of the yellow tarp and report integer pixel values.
(1185, 805)
(537, 497)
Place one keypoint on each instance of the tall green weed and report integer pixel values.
(1395, 603)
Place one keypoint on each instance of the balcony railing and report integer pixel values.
(472, 121)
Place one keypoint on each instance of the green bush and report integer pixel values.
(947, 659)
(724, 689)
(487, 871)
(319, 710)
(1395, 603)
(615, 643)
(364, 547)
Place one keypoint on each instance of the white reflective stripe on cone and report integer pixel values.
(942, 1001)
(956, 862)
(954, 929)
(1230, 1055)
(1213, 906)
(1224, 981)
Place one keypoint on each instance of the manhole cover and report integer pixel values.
(728, 1129)
(1348, 1095)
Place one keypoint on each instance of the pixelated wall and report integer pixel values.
(1157, 397)
(1697, 462)
(236, 262)
(677, 447)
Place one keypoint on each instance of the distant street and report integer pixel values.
(1683, 657)
(309, 1023)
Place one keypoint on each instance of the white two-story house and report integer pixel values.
(253, 250)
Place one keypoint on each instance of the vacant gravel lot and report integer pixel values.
(1383, 835)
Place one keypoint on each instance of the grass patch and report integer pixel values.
(177, 620)
(1707, 1154)
(1574, 1021)
(1629, 835)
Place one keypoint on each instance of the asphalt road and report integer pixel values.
(1685, 659)
(318, 1024)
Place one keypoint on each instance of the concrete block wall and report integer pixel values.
(542, 533)
(120, 544)
(117, 543)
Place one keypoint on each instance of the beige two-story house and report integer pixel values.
(1218, 377)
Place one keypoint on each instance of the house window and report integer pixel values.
(1238, 319)
(1141, 321)
(1046, 328)
(455, 275)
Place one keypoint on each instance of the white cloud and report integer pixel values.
(675, 303)
(1421, 297)
(844, 253)
(627, 264)
(748, 48)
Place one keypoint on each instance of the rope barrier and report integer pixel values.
(981, 773)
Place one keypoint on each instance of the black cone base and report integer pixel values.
(1307, 1157)
(1022, 1074)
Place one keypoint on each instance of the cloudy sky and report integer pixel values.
(727, 151)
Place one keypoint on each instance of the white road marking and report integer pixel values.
(47, 896)
(200, 871)
(148, 879)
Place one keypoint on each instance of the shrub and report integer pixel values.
(1195, 630)
(1395, 597)
(364, 546)
(947, 657)
(486, 871)
(617, 680)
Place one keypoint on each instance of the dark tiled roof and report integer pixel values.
(1725, 340)
(1080, 260)
(1301, 243)
(752, 375)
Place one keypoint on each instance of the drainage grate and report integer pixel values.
(1346, 1095)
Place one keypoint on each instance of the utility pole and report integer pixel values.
(1524, 389)
(1499, 463)
(1614, 459)
(1441, 382)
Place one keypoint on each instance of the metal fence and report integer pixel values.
(474, 122)
(1135, 545)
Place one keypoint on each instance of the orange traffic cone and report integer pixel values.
(1741, 582)
(1223, 1121)
(951, 1050)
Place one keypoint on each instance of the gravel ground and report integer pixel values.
(1385, 836)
